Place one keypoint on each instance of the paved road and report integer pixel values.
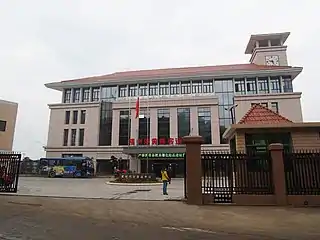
(96, 188)
(49, 218)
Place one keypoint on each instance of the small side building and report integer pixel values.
(8, 117)
(261, 126)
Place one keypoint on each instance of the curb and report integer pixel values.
(133, 184)
(86, 198)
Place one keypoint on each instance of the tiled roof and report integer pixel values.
(178, 72)
(259, 114)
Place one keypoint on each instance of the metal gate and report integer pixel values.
(225, 174)
(217, 176)
(9, 171)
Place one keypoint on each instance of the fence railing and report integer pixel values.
(9, 171)
(302, 172)
(225, 174)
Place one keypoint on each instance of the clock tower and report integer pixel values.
(268, 49)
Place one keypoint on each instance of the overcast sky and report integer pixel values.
(51, 40)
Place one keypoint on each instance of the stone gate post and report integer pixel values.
(278, 174)
(193, 169)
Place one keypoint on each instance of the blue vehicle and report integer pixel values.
(67, 167)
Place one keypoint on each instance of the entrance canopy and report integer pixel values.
(135, 150)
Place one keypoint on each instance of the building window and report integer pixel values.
(73, 137)
(83, 117)
(175, 88)
(67, 95)
(75, 117)
(275, 107)
(264, 104)
(275, 42)
(96, 94)
(260, 142)
(133, 90)
(223, 85)
(224, 89)
(143, 90)
(123, 90)
(105, 132)
(275, 86)
(81, 137)
(263, 85)
(239, 86)
(196, 87)
(86, 95)
(3, 125)
(67, 117)
(65, 137)
(124, 127)
(144, 127)
(204, 124)
(263, 43)
(164, 89)
(185, 88)
(109, 93)
(287, 84)
(163, 125)
(153, 89)
(183, 122)
(76, 95)
(251, 86)
(208, 86)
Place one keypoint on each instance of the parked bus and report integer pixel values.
(67, 167)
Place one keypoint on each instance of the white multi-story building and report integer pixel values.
(97, 115)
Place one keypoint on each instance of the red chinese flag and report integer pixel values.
(137, 107)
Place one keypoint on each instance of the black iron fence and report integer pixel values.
(9, 171)
(302, 172)
(226, 174)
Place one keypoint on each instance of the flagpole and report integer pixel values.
(129, 122)
(148, 116)
(137, 117)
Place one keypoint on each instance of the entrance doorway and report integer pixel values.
(175, 167)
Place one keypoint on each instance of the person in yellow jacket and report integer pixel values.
(165, 180)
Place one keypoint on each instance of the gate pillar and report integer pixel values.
(193, 169)
(278, 173)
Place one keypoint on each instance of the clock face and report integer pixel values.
(272, 60)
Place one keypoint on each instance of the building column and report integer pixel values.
(72, 95)
(194, 121)
(115, 128)
(215, 128)
(90, 95)
(281, 84)
(77, 136)
(81, 95)
(173, 123)
(69, 136)
(135, 164)
(63, 94)
(134, 128)
(153, 123)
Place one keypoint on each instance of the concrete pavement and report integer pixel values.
(96, 188)
(50, 218)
